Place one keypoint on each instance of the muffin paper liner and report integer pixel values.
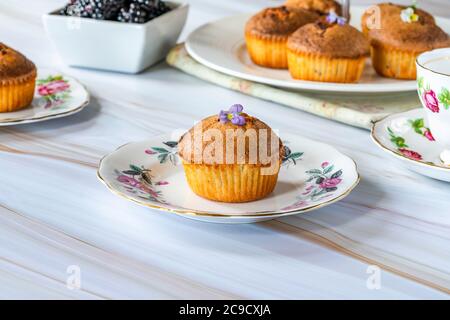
(394, 63)
(267, 51)
(229, 183)
(313, 67)
(17, 93)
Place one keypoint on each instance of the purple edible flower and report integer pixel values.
(238, 119)
(236, 108)
(233, 115)
(332, 17)
(341, 21)
(223, 116)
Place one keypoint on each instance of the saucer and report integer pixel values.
(56, 96)
(406, 135)
(149, 173)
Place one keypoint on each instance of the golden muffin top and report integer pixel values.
(13, 64)
(231, 137)
(280, 21)
(329, 39)
(402, 27)
(322, 7)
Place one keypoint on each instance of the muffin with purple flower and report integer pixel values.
(231, 157)
(328, 50)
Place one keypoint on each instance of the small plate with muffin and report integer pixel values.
(308, 45)
(229, 168)
(29, 95)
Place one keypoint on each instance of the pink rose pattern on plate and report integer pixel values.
(54, 90)
(410, 154)
(321, 184)
(402, 147)
(138, 181)
(427, 134)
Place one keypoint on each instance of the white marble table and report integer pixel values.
(54, 214)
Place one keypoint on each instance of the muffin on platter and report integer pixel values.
(400, 35)
(17, 80)
(322, 7)
(329, 50)
(231, 157)
(266, 34)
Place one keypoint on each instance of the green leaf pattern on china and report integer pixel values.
(417, 125)
(420, 82)
(170, 152)
(402, 147)
(290, 157)
(444, 98)
(397, 140)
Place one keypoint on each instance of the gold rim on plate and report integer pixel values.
(31, 120)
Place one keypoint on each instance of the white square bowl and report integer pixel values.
(115, 46)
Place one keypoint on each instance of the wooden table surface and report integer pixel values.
(56, 217)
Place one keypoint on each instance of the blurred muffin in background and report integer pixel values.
(17, 80)
(399, 36)
(266, 34)
(330, 52)
(322, 7)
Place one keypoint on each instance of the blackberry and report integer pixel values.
(63, 11)
(133, 11)
(162, 7)
(106, 9)
(78, 8)
(95, 9)
(141, 11)
(157, 8)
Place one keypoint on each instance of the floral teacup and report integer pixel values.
(433, 85)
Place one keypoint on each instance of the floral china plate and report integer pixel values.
(56, 96)
(149, 172)
(406, 135)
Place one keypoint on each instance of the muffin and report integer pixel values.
(17, 80)
(222, 160)
(402, 34)
(329, 52)
(321, 7)
(266, 34)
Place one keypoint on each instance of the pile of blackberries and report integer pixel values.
(134, 11)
